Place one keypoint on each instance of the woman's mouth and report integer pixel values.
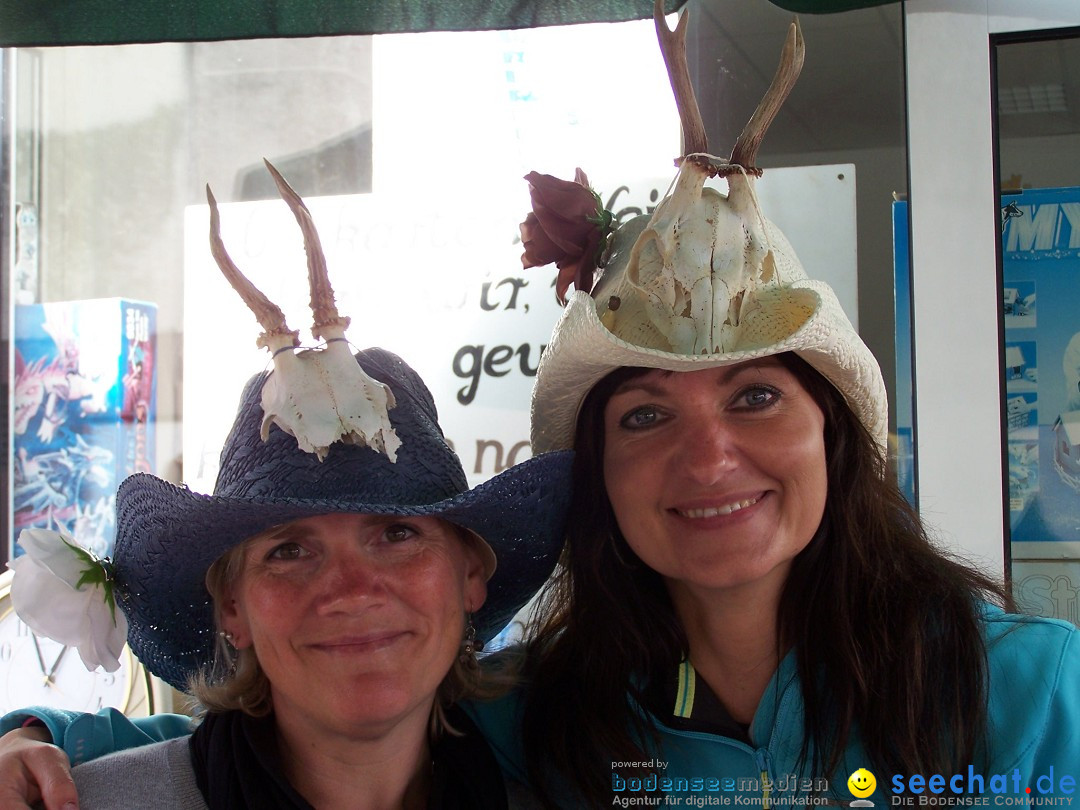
(716, 511)
(367, 642)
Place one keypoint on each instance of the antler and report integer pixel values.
(320, 396)
(787, 73)
(267, 313)
(323, 307)
(673, 47)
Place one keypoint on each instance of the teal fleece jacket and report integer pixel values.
(1034, 715)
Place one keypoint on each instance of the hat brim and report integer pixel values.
(583, 351)
(168, 536)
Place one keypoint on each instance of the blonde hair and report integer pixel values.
(234, 680)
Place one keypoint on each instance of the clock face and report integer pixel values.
(37, 671)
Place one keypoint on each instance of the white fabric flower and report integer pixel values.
(63, 592)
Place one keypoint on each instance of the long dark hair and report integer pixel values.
(884, 625)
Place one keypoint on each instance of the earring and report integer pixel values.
(470, 645)
(225, 657)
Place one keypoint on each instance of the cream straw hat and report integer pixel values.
(705, 281)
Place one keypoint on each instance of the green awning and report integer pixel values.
(106, 22)
(100, 22)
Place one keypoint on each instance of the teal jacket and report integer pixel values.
(1034, 716)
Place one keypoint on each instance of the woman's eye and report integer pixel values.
(642, 417)
(400, 532)
(757, 397)
(287, 551)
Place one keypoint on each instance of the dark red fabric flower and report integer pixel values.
(568, 226)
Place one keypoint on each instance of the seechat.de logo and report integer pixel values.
(979, 789)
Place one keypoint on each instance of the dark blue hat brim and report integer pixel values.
(168, 536)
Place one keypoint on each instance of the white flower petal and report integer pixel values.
(49, 605)
(106, 640)
(49, 549)
(45, 596)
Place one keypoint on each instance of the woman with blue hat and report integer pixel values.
(325, 603)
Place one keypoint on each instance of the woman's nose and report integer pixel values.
(708, 450)
(349, 580)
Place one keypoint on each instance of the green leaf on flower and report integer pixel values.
(96, 574)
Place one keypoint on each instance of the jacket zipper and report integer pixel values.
(761, 755)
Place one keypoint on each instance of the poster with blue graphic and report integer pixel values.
(1041, 305)
(903, 451)
(84, 410)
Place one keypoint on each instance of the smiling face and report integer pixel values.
(355, 619)
(862, 783)
(717, 477)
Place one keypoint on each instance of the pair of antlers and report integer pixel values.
(269, 315)
(695, 141)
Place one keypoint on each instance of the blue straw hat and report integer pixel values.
(168, 536)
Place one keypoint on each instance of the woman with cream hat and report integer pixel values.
(747, 606)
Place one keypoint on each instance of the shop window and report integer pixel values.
(1037, 122)
(410, 150)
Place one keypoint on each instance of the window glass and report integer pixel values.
(129, 351)
(1038, 128)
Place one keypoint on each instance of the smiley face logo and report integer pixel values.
(861, 783)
